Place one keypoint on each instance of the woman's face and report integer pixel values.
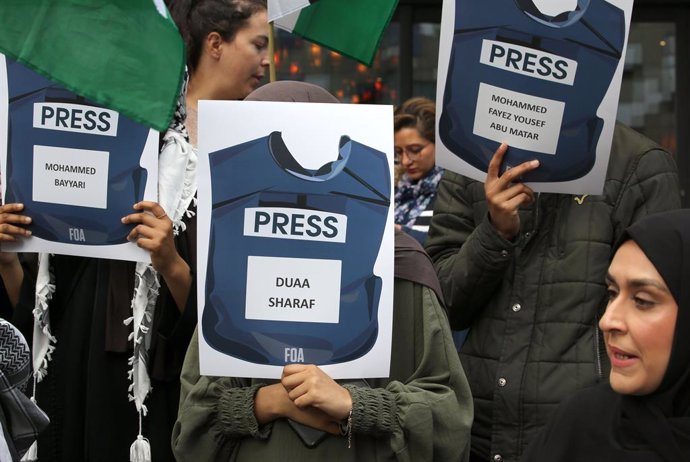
(417, 154)
(639, 322)
(245, 58)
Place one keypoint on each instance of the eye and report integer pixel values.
(612, 293)
(643, 302)
(261, 44)
(415, 149)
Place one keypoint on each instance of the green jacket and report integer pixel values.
(423, 412)
(533, 305)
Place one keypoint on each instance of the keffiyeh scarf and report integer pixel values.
(21, 419)
(412, 198)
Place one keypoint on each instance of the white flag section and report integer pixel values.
(279, 8)
(543, 77)
(295, 253)
(78, 168)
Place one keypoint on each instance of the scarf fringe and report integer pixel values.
(45, 288)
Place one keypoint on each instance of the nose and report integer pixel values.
(265, 62)
(613, 318)
(405, 160)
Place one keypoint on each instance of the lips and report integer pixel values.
(621, 358)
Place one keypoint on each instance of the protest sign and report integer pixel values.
(77, 167)
(295, 261)
(542, 76)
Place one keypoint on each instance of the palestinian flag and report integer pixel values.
(351, 27)
(126, 55)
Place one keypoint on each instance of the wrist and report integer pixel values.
(175, 271)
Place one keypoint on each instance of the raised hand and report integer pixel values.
(505, 194)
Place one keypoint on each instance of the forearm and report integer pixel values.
(178, 278)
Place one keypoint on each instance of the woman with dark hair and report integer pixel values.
(415, 192)
(643, 413)
(227, 49)
(85, 391)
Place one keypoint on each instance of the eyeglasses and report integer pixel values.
(413, 151)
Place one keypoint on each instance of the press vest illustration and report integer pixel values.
(302, 244)
(530, 74)
(74, 165)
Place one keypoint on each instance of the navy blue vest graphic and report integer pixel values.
(592, 35)
(263, 173)
(126, 179)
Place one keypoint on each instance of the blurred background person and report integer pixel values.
(415, 151)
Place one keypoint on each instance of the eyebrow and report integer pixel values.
(641, 282)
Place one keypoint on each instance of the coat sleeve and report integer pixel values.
(468, 254)
(428, 416)
(215, 413)
(650, 185)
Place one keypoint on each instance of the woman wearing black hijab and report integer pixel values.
(643, 414)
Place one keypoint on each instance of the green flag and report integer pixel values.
(351, 27)
(124, 54)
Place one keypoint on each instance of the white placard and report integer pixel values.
(63, 171)
(308, 286)
(528, 50)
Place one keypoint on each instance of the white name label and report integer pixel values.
(75, 118)
(521, 120)
(293, 289)
(70, 176)
(528, 61)
(289, 223)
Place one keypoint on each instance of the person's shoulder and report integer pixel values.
(627, 148)
(413, 264)
(589, 402)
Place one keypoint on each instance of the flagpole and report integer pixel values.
(271, 53)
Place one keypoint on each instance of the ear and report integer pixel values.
(213, 45)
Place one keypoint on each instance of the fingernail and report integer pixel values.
(534, 163)
(123, 219)
(28, 233)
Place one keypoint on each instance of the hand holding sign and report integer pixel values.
(309, 386)
(11, 271)
(272, 402)
(154, 232)
(505, 195)
(9, 219)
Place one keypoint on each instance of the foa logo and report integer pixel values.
(300, 224)
(528, 61)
